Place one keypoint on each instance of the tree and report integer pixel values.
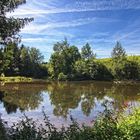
(11, 59)
(9, 27)
(118, 52)
(91, 70)
(60, 46)
(31, 60)
(35, 56)
(86, 52)
(36, 59)
(128, 70)
(25, 68)
(1, 60)
(63, 59)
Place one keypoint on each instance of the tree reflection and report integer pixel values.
(67, 96)
(23, 99)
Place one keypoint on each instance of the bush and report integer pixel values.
(130, 126)
(3, 134)
(92, 70)
(127, 70)
(108, 126)
(62, 77)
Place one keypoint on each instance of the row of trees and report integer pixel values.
(22, 61)
(15, 59)
(68, 63)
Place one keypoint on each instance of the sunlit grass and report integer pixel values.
(15, 79)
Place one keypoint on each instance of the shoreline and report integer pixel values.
(29, 80)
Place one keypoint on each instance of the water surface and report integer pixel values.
(59, 100)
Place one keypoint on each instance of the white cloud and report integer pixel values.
(38, 28)
(47, 25)
(35, 28)
(39, 40)
(37, 8)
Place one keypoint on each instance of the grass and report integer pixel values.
(15, 79)
(108, 126)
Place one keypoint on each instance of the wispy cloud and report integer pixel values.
(127, 35)
(38, 8)
(109, 4)
(99, 22)
(39, 28)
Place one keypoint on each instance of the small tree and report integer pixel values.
(118, 52)
(87, 53)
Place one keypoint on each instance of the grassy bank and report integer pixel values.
(109, 126)
(16, 79)
(19, 79)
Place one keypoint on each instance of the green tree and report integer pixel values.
(127, 70)
(35, 56)
(60, 46)
(87, 52)
(25, 67)
(90, 69)
(36, 59)
(81, 70)
(63, 59)
(31, 60)
(9, 27)
(1, 60)
(11, 59)
(118, 53)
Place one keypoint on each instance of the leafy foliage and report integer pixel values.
(118, 52)
(9, 27)
(23, 61)
(74, 65)
(108, 126)
(130, 125)
(86, 52)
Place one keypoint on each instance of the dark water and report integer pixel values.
(82, 100)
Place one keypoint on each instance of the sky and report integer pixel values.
(98, 22)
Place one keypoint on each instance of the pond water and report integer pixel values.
(60, 100)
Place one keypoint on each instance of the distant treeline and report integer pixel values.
(21, 61)
(68, 63)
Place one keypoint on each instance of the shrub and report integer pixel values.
(130, 125)
(3, 134)
(62, 77)
(108, 126)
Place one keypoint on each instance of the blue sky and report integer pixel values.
(99, 22)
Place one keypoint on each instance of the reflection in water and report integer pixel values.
(22, 98)
(64, 97)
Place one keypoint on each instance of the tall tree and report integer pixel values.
(11, 59)
(63, 59)
(25, 66)
(1, 60)
(35, 56)
(10, 26)
(60, 46)
(118, 52)
(87, 52)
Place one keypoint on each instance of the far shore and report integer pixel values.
(29, 80)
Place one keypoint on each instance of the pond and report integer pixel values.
(60, 100)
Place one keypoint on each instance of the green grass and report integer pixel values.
(16, 79)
